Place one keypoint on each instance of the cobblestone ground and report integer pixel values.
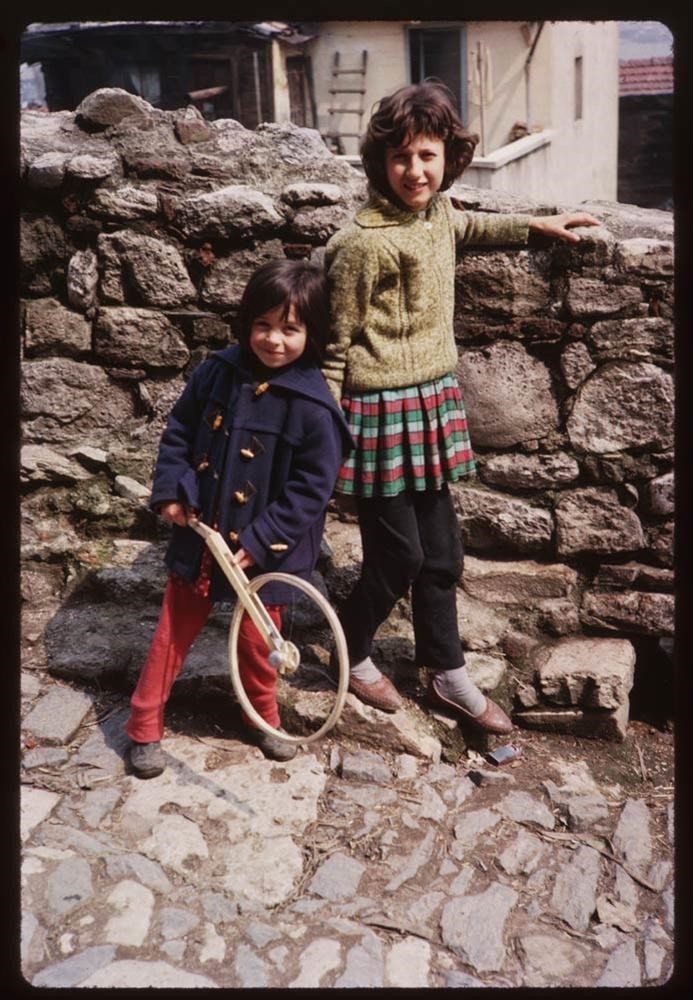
(346, 867)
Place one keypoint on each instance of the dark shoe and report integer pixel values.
(381, 694)
(147, 759)
(272, 746)
(492, 720)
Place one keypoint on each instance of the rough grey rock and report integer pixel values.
(43, 757)
(175, 922)
(364, 965)
(48, 170)
(337, 878)
(632, 575)
(58, 714)
(588, 298)
(226, 277)
(576, 364)
(623, 405)
(69, 886)
(409, 867)
(574, 897)
(125, 204)
(647, 338)
(486, 671)
(320, 957)
(524, 808)
(142, 869)
(471, 825)
(132, 905)
(133, 338)
(658, 495)
(634, 611)
(83, 280)
(126, 486)
(94, 167)
(523, 855)
(530, 472)
(491, 522)
(598, 724)
(549, 960)
(235, 210)
(518, 286)
(517, 582)
(586, 812)
(312, 193)
(622, 968)
(632, 838)
(593, 520)
(472, 927)
(481, 626)
(41, 464)
(109, 105)
(50, 328)
(593, 673)
(135, 973)
(73, 970)
(58, 403)
(147, 268)
(508, 395)
(365, 765)
(646, 256)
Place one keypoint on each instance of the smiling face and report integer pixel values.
(278, 339)
(415, 170)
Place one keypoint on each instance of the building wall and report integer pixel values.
(387, 68)
(509, 50)
(584, 152)
(581, 160)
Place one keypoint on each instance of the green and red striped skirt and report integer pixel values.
(414, 438)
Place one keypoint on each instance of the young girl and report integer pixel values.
(391, 363)
(253, 445)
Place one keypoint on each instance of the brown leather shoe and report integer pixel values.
(381, 694)
(492, 720)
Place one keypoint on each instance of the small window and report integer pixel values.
(438, 52)
(578, 88)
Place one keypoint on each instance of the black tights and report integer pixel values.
(409, 540)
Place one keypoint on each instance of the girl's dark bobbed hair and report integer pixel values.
(288, 283)
(426, 108)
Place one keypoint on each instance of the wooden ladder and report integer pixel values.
(334, 135)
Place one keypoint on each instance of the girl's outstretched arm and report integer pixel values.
(560, 225)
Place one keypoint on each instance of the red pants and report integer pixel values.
(183, 613)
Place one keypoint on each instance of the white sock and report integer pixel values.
(458, 686)
(366, 671)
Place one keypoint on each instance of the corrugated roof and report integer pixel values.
(646, 76)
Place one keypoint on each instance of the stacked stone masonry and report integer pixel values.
(140, 228)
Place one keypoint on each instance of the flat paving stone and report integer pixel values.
(574, 897)
(135, 973)
(337, 878)
(69, 886)
(35, 804)
(472, 927)
(74, 970)
(58, 714)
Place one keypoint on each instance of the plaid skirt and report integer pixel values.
(414, 438)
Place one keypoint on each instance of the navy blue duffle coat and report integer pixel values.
(260, 457)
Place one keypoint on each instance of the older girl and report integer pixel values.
(391, 363)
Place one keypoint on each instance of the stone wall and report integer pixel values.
(139, 230)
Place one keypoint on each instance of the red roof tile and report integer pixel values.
(646, 76)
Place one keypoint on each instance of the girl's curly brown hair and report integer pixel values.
(426, 108)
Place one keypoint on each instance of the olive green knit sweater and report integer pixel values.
(391, 274)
